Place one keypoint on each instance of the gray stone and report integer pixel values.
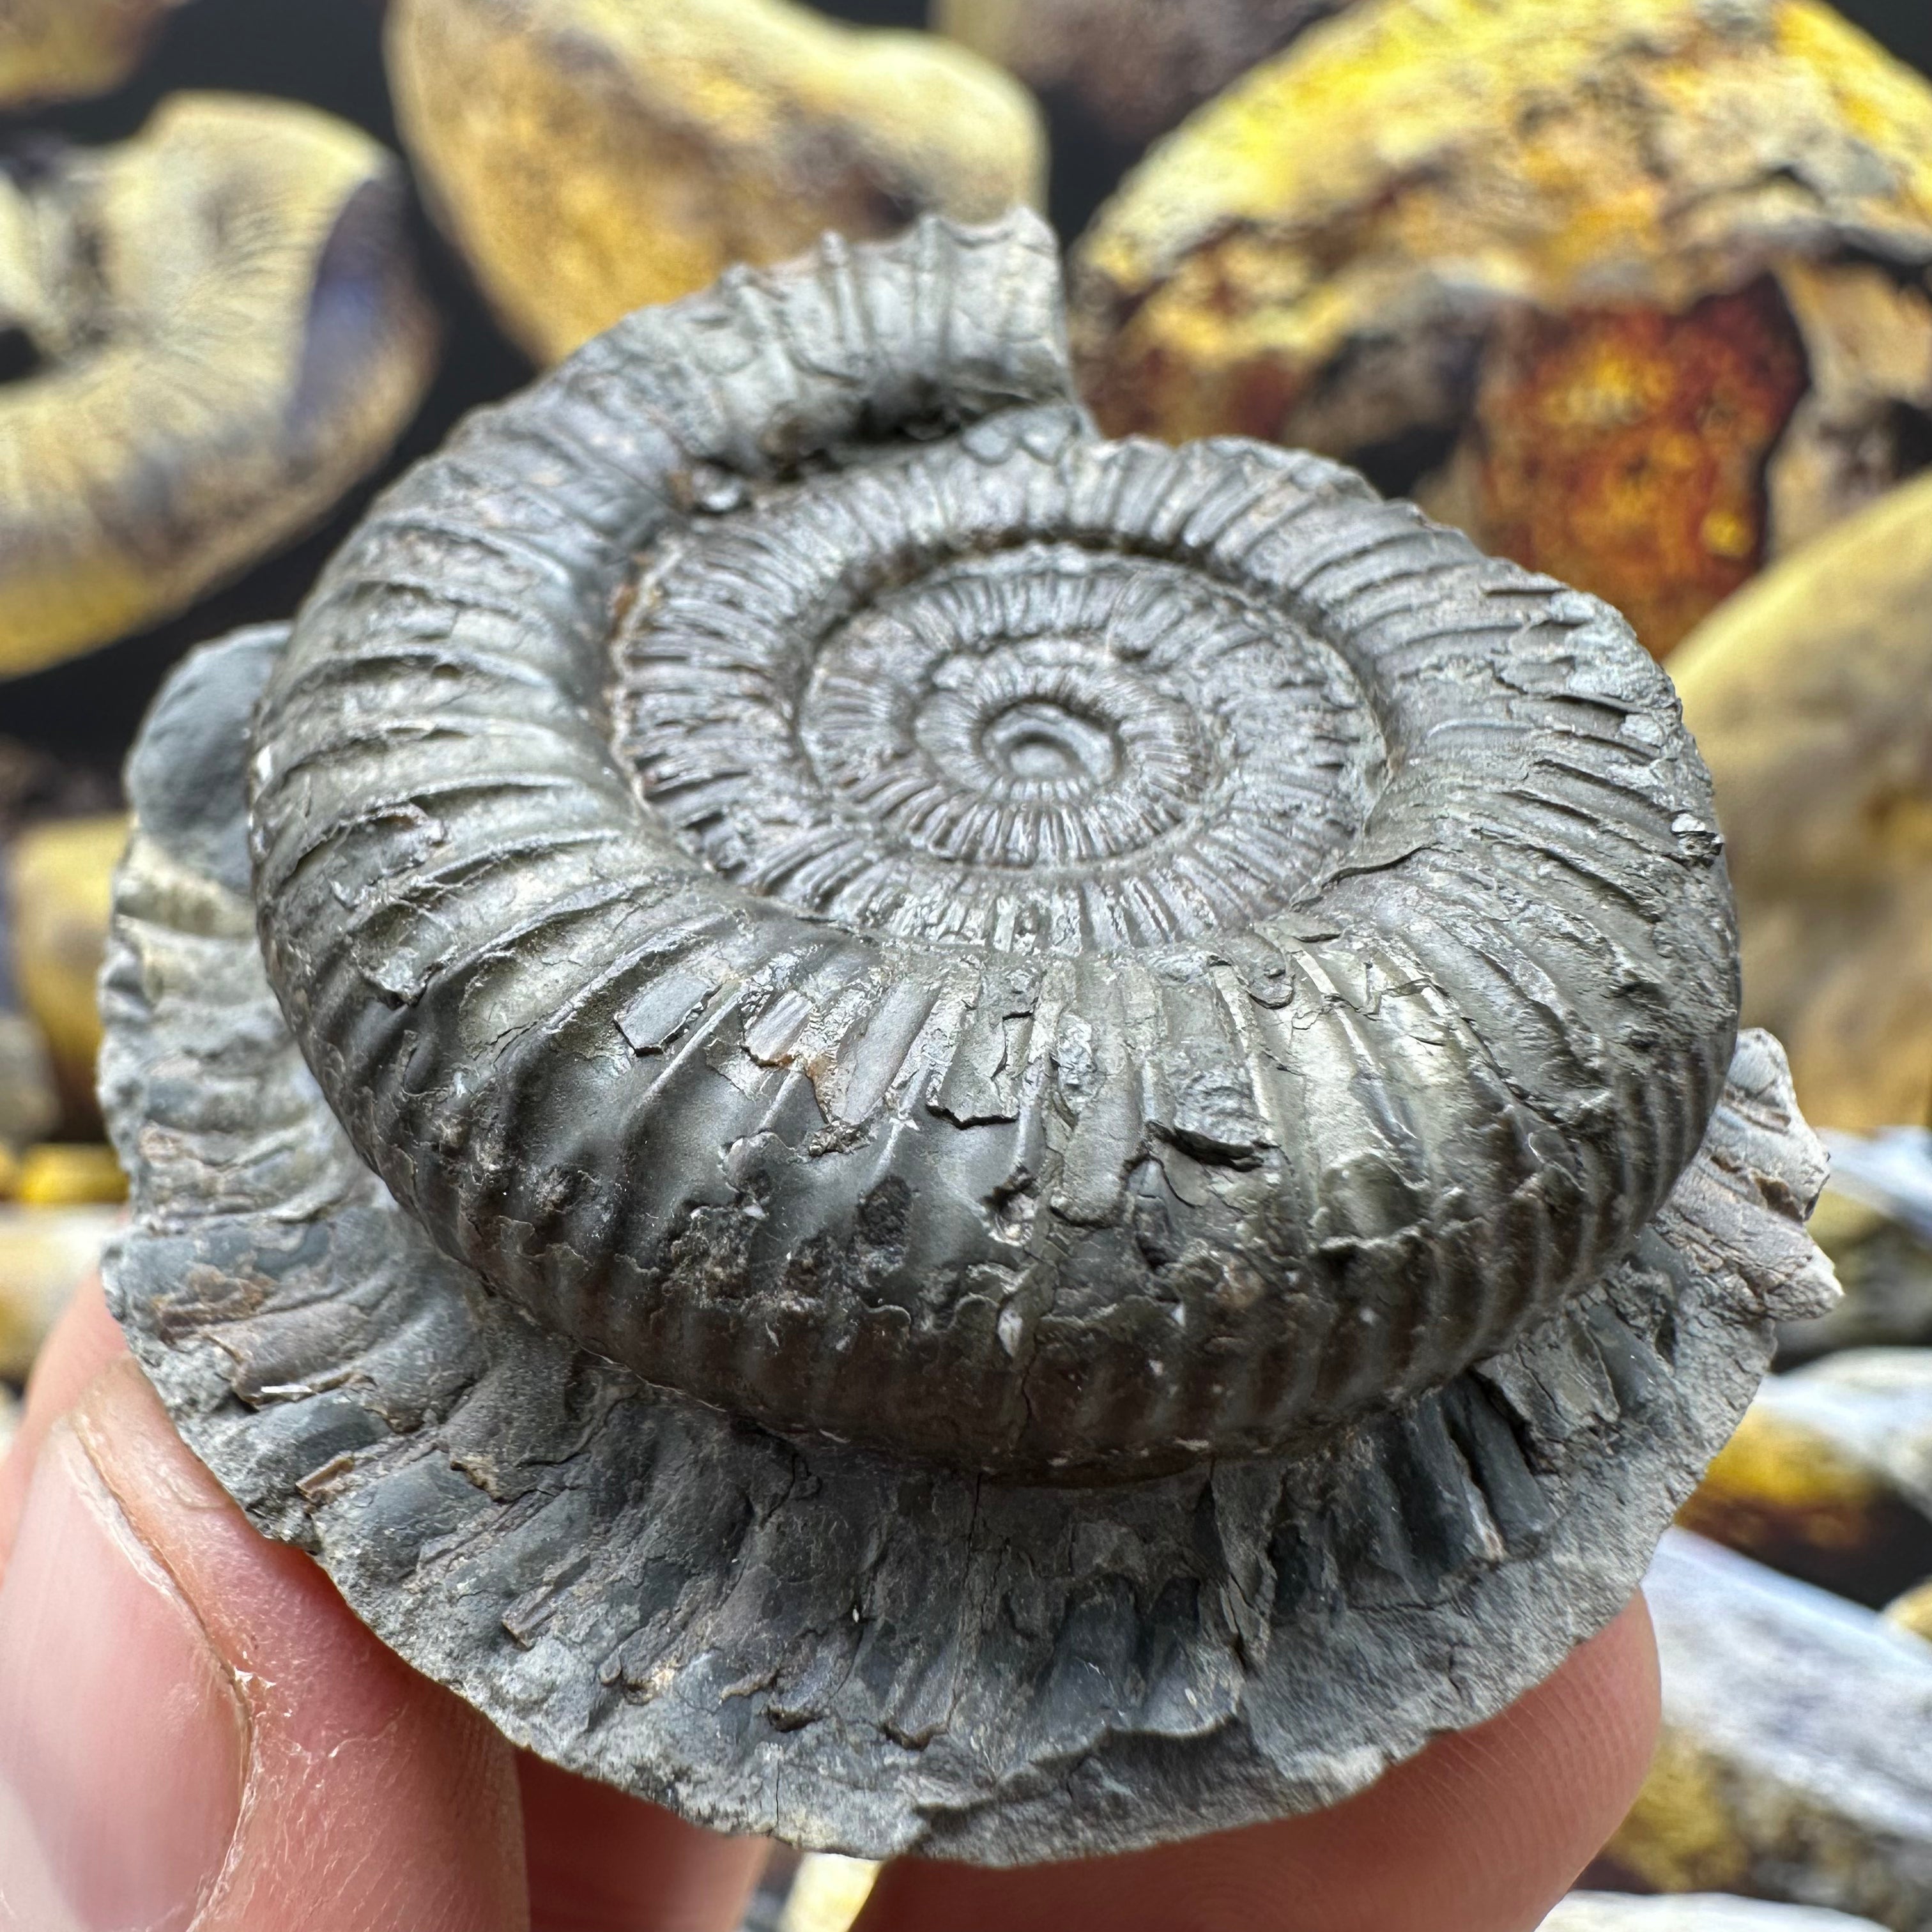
(1692, 1912)
(1795, 1762)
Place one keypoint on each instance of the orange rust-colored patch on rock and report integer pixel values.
(1624, 449)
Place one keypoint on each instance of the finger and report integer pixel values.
(1481, 1833)
(600, 1861)
(81, 1343)
(191, 1722)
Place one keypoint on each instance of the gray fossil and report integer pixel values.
(928, 1134)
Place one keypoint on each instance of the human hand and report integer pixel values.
(195, 1733)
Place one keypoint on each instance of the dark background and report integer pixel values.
(328, 52)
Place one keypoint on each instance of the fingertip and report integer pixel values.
(83, 1342)
(371, 1796)
(602, 1861)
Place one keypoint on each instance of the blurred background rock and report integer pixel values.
(1635, 290)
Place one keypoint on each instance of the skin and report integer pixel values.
(300, 1776)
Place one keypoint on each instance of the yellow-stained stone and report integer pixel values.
(69, 1175)
(1569, 270)
(828, 1894)
(230, 333)
(1810, 697)
(68, 50)
(1912, 1612)
(1828, 1476)
(59, 889)
(46, 1253)
(592, 156)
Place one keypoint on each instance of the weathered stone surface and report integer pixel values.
(1793, 1764)
(1642, 343)
(730, 870)
(589, 158)
(1136, 67)
(1829, 1476)
(224, 332)
(60, 882)
(1693, 1911)
(46, 1253)
(1824, 668)
(66, 49)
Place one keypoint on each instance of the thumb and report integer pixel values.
(195, 1733)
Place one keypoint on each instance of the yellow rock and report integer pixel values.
(1912, 1612)
(1135, 66)
(828, 1893)
(591, 156)
(76, 1174)
(59, 888)
(67, 50)
(46, 1253)
(1811, 696)
(229, 334)
(1829, 1477)
(1570, 271)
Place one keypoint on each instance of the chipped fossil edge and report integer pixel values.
(814, 1642)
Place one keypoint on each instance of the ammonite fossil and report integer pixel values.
(207, 333)
(1821, 667)
(1646, 343)
(587, 157)
(928, 1134)
(68, 50)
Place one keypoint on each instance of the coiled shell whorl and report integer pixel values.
(841, 891)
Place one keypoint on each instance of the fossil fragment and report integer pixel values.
(1912, 1612)
(589, 156)
(58, 887)
(210, 332)
(1824, 668)
(1146, 1032)
(65, 50)
(1693, 1911)
(1829, 1476)
(1792, 1763)
(1135, 67)
(1635, 291)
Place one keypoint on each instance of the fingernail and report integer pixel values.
(123, 1741)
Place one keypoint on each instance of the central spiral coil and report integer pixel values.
(831, 885)
(945, 732)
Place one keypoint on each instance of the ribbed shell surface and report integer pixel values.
(844, 892)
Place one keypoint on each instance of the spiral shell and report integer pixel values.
(837, 889)
(1143, 1012)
